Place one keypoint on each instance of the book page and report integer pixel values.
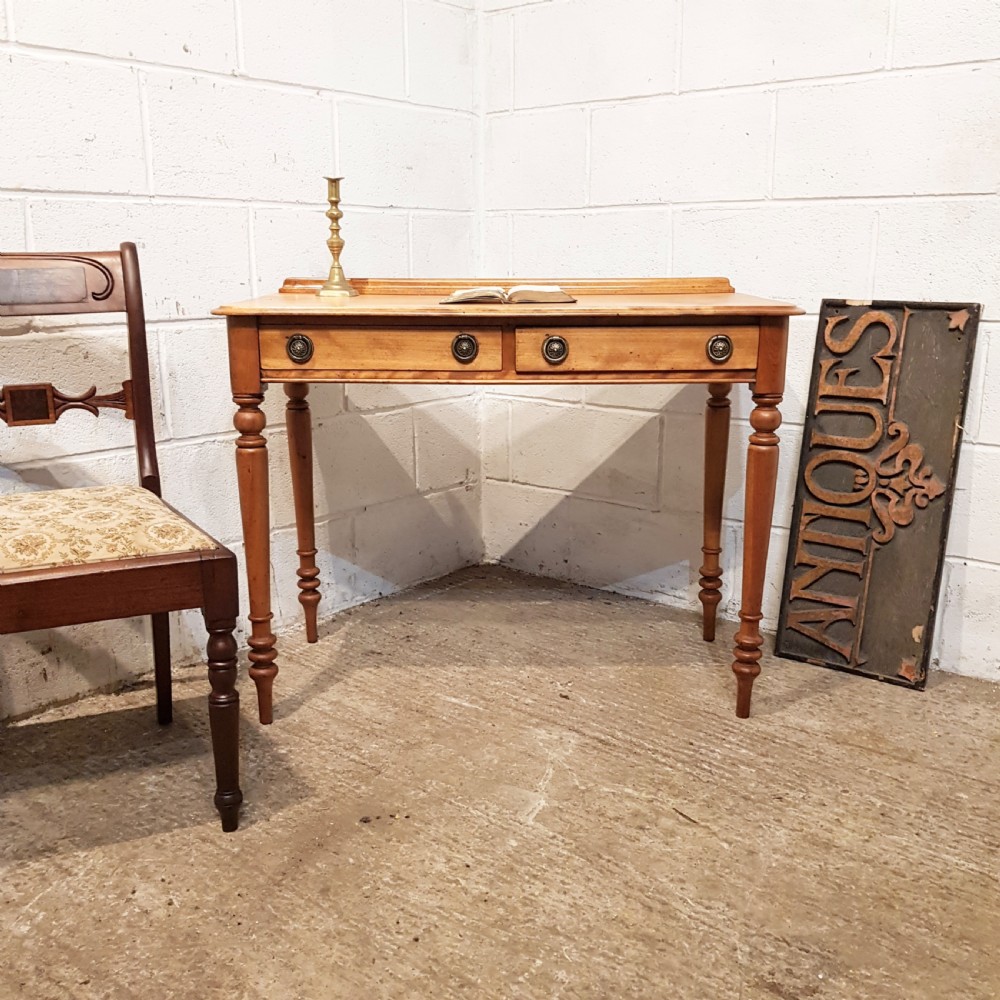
(538, 293)
(487, 293)
(519, 293)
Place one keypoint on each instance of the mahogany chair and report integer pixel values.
(80, 555)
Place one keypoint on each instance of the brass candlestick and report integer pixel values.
(337, 283)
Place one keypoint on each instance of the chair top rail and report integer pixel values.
(47, 284)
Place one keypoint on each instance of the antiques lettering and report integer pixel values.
(879, 452)
(870, 470)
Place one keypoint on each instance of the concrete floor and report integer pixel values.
(500, 786)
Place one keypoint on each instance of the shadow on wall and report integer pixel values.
(583, 531)
(67, 662)
(401, 488)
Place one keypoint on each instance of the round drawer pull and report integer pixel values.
(555, 350)
(299, 348)
(719, 349)
(464, 348)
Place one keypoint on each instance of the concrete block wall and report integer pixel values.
(803, 149)
(201, 129)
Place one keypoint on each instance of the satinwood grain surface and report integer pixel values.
(635, 349)
(417, 306)
(379, 349)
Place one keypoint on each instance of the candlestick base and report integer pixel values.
(334, 289)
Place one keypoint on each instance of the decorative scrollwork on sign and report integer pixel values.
(904, 483)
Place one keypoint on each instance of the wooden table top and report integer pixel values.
(413, 299)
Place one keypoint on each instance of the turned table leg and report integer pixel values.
(716, 448)
(299, 424)
(762, 472)
(251, 471)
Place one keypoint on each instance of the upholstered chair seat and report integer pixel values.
(89, 525)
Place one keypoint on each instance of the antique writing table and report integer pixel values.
(618, 331)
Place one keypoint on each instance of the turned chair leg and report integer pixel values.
(161, 667)
(221, 601)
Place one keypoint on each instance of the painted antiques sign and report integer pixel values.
(875, 484)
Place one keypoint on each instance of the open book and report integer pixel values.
(518, 293)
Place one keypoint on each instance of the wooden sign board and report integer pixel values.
(875, 484)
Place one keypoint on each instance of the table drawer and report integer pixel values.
(636, 349)
(379, 349)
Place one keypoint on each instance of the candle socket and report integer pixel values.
(336, 284)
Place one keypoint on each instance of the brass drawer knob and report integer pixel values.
(719, 349)
(464, 348)
(299, 348)
(555, 350)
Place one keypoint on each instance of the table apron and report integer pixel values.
(512, 354)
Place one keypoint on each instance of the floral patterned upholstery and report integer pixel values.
(94, 524)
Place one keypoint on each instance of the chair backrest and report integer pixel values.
(45, 284)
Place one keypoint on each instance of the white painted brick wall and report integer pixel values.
(590, 50)
(927, 32)
(440, 63)
(726, 44)
(710, 147)
(536, 159)
(205, 136)
(802, 148)
(609, 455)
(441, 244)
(448, 450)
(313, 44)
(424, 158)
(91, 137)
(613, 243)
(192, 33)
(202, 130)
(987, 428)
(927, 132)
